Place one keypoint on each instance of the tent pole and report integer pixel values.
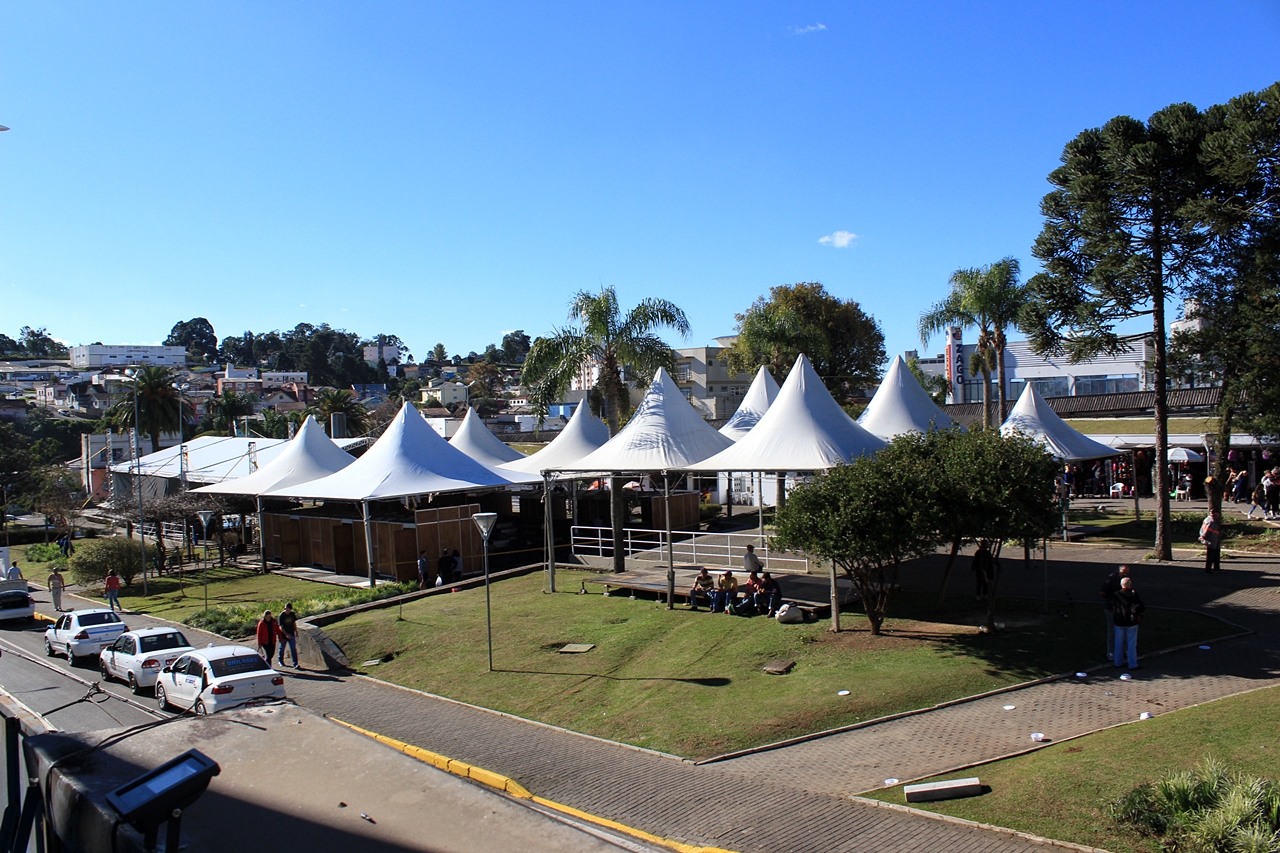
(262, 546)
(671, 559)
(835, 600)
(368, 543)
(760, 505)
(1137, 512)
(551, 533)
(728, 496)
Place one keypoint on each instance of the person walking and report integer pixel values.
(424, 566)
(267, 634)
(750, 562)
(112, 588)
(1128, 615)
(57, 583)
(289, 633)
(982, 571)
(1108, 592)
(444, 567)
(1258, 501)
(1211, 538)
(1272, 483)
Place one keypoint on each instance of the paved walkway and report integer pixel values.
(796, 798)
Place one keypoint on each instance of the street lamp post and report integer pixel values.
(137, 476)
(205, 515)
(485, 521)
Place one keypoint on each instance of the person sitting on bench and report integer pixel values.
(703, 587)
(726, 593)
(769, 595)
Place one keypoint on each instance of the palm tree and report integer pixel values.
(606, 340)
(332, 401)
(989, 299)
(160, 407)
(228, 408)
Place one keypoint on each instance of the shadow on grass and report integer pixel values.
(701, 682)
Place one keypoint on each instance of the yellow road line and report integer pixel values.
(515, 789)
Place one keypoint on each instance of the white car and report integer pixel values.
(83, 633)
(137, 656)
(16, 601)
(216, 678)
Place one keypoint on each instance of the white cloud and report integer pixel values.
(812, 28)
(839, 240)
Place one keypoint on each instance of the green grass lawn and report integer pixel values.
(1063, 791)
(1121, 528)
(692, 683)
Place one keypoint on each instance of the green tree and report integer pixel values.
(515, 346)
(989, 299)
(608, 340)
(486, 378)
(844, 343)
(1122, 235)
(229, 407)
(37, 343)
(867, 517)
(331, 401)
(160, 407)
(439, 353)
(94, 558)
(934, 385)
(197, 336)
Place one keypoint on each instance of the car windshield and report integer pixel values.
(239, 665)
(159, 642)
(87, 619)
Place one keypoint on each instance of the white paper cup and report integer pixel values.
(1037, 736)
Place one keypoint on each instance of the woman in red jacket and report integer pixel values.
(268, 633)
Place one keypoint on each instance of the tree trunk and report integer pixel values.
(1226, 412)
(946, 573)
(1164, 546)
(991, 589)
(986, 395)
(1002, 396)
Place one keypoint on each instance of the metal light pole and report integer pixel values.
(485, 521)
(205, 515)
(137, 476)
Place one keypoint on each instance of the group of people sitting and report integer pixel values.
(760, 594)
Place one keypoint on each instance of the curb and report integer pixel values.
(989, 827)
(510, 786)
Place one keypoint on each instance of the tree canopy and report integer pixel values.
(197, 336)
(160, 407)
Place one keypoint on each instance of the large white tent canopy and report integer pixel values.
(584, 434)
(309, 456)
(409, 459)
(1034, 417)
(664, 433)
(760, 396)
(804, 430)
(474, 439)
(211, 458)
(901, 406)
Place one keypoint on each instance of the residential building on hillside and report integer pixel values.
(704, 376)
(105, 355)
(446, 391)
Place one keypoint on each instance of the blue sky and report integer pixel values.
(450, 172)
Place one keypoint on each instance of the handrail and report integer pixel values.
(720, 549)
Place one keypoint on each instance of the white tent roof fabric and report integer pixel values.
(583, 434)
(309, 456)
(474, 439)
(804, 430)
(901, 406)
(212, 458)
(1033, 416)
(409, 459)
(760, 396)
(664, 433)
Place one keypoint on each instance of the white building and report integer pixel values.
(103, 355)
(704, 376)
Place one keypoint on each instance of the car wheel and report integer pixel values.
(102, 668)
(48, 647)
(200, 708)
(133, 683)
(161, 699)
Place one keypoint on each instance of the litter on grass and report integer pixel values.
(892, 780)
(842, 693)
(1010, 707)
(1145, 715)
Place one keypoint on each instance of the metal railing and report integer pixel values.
(712, 549)
(22, 828)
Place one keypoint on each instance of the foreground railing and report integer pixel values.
(712, 549)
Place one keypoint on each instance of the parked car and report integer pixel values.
(138, 656)
(83, 633)
(16, 601)
(216, 678)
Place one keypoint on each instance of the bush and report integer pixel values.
(709, 511)
(93, 559)
(241, 620)
(42, 553)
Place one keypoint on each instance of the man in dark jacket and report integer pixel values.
(288, 633)
(1108, 592)
(1127, 613)
(445, 567)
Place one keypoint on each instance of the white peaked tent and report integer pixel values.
(409, 459)
(583, 434)
(760, 396)
(309, 456)
(901, 406)
(1033, 416)
(664, 433)
(474, 439)
(804, 430)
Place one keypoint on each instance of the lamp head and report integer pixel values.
(485, 521)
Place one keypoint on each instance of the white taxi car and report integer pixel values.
(219, 677)
(137, 656)
(83, 633)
